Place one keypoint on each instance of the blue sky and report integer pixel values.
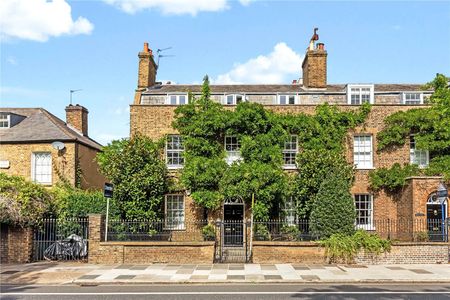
(93, 45)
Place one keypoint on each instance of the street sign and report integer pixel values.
(108, 190)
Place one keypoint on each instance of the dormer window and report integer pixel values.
(287, 99)
(179, 99)
(234, 99)
(358, 94)
(5, 120)
(412, 98)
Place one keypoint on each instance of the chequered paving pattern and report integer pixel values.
(260, 272)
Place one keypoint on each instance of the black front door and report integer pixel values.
(435, 224)
(233, 227)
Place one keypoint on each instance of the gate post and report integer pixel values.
(95, 234)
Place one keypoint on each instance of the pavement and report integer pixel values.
(60, 273)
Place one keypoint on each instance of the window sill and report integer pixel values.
(364, 169)
(367, 227)
(174, 167)
(289, 167)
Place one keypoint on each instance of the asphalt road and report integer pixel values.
(229, 291)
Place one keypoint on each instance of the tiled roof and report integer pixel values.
(272, 88)
(39, 125)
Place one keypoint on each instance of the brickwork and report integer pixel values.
(101, 252)
(20, 160)
(315, 69)
(409, 253)
(147, 69)
(16, 244)
(77, 117)
(90, 177)
(287, 252)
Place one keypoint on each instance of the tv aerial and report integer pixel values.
(159, 55)
(71, 92)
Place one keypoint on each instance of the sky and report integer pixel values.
(51, 47)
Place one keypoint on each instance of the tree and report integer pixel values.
(333, 209)
(139, 175)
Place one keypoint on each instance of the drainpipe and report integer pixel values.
(251, 226)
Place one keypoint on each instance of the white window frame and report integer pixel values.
(290, 151)
(414, 153)
(174, 151)
(7, 120)
(371, 88)
(180, 225)
(287, 98)
(369, 225)
(232, 155)
(410, 93)
(34, 176)
(358, 149)
(177, 99)
(234, 98)
(289, 210)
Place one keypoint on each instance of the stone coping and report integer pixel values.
(157, 244)
(316, 244)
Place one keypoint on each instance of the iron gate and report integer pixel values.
(233, 243)
(51, 231)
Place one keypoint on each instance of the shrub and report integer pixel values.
(22, 202)
(391, 179)
(209, 232)
(290, 232)
(73, 202)
(343, 248)
(261, 232)
(333, 209)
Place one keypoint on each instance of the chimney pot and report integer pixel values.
(294, 81)
(145, 47)
(321, 46)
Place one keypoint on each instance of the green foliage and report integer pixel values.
(139, 176)
(290, 232)
(262, 133)
(261, 232)
(209, 232)
(73, 202)
(431, 129)
(343, 248)
(22, 202)
(333, 210)
(391, 179)
(315, 166)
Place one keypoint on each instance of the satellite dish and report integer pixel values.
(58, 145)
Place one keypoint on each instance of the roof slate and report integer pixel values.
(40, 125)
(272, 88)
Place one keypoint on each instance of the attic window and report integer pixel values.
(234, 99)
(5, 120)
(176, 99)
(412, 98)
(286, 99)
(358, 94)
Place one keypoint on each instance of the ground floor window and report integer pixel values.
(364, 211)
(289, 211)
(174, 211)
(42, 167)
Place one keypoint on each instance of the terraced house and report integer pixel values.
(152, 114)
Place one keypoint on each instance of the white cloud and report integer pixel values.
(173, 7)
(12, 60)
(38, 20)
(279, 66)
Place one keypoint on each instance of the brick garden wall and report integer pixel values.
(409, 253)
(310, 253)
(101, 252)
(16, 244)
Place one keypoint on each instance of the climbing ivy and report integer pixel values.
(262, 133)
(431, 129)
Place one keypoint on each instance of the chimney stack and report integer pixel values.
(147, 68)
(77, 118)
(315, 64)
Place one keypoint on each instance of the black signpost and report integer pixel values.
(107, 193)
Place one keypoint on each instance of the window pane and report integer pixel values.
(238, 99)
(42, 167)
(182, 99)
(282, 100)
(291, 99)
(364, 210)
(362, 152)
(230, 99)
(174, 151)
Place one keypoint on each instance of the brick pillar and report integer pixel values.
(19, 244)
(96, 233)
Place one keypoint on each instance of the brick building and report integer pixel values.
(37, 145)
(152, 114)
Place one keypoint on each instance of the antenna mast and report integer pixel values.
(71, 92)
(158, 53)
